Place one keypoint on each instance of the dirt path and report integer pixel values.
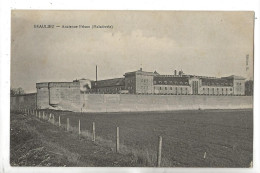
(38, 143)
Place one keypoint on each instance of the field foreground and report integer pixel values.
(202, 138)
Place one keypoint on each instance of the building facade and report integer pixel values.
(142, 82)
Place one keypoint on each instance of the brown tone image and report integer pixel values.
(132, 88)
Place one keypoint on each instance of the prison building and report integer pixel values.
(108, 86)
(139, 82)
(171, 85)
(143, 82)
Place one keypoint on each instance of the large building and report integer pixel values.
(142, 82)
(148, 88)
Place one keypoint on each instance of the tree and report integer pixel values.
(16, 91)
(249, 87)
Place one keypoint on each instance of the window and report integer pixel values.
(165, 88)
(170, 88)
(230, 89)
(160, 88)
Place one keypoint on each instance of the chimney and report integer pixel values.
(175, 72)
(96, 73)
(96, 80)
(180, 73)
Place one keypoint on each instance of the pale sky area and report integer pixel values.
(199, 43)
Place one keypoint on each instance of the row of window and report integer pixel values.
(218, 91)
(110, 89)
(144, 80)
(216, 84)
(170, 82)
(144, 87)
(170, 88)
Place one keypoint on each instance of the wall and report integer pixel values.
(42, 95)
(72, 100)
(144, 83)
(27, 101)
(239, 86)
(130, 83)
(131, 103)
(65, 95)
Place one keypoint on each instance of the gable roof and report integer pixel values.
(234, 77)
(109, 82)
(216, 82)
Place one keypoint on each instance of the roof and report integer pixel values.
(109, 82)
(170, 80)
(216, 82)
(141, 72)
(234, 77)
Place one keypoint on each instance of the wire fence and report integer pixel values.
(152, 146)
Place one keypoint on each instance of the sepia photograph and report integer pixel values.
(132, 88)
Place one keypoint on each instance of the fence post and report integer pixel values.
(59, 121)
(117, 139)
(79, 128)
(93, 132)
(68, 124)
(159, 154)
(53, 119)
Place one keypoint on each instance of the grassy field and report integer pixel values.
(202, 138)
(35, 142)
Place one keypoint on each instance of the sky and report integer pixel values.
(200, 43)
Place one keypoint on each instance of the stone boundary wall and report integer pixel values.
(136, 103)
(74, 101)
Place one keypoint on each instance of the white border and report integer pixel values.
(206, 5)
